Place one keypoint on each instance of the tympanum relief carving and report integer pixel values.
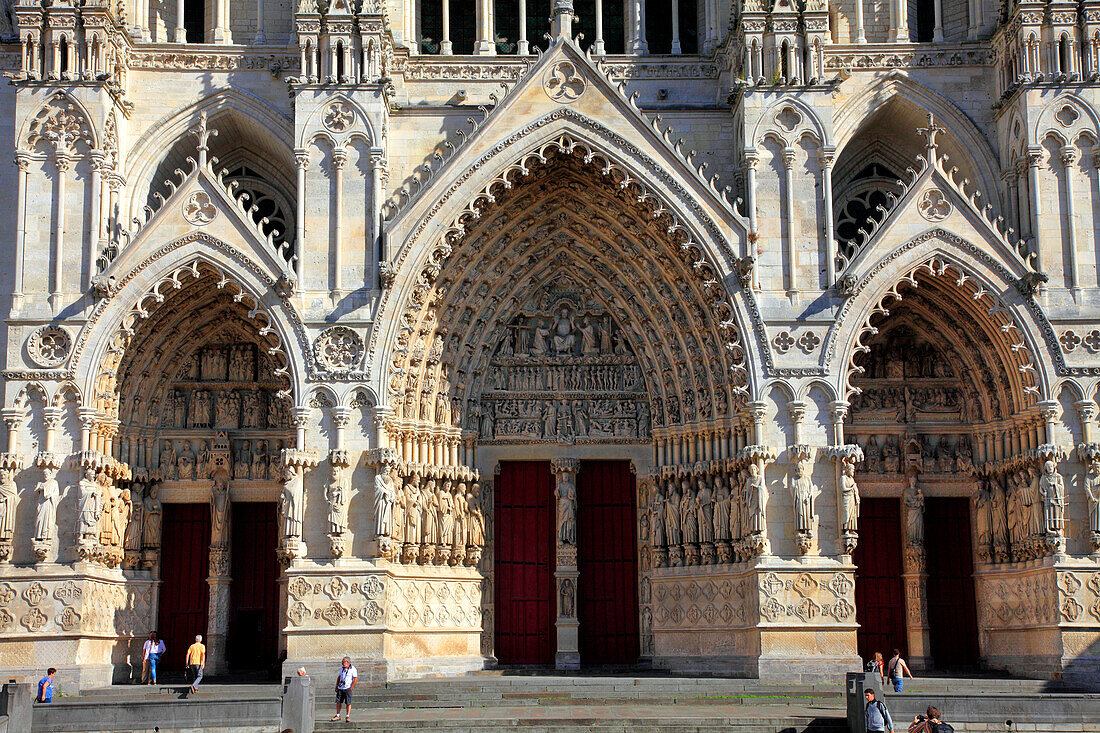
(564, 372)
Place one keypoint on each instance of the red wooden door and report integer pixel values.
(524, 563)
(253, 603)
(952, 614)
(184, 594)
(880, 600)
(607, 545)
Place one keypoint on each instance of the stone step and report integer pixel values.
(606, 719)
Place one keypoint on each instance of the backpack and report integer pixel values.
(890, 670)
(872, 666)
(944, 728)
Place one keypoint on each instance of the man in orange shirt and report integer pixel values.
(196, 662)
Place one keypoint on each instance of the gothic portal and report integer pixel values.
(700, 335)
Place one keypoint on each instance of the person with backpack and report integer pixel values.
(896, 671)
(930, 722)
(875, 666)
(875, 716)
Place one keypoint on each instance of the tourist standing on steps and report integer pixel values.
(897, 669)
(345, 683)
(150, 655)
(45, 687)
(196, 662)
(876, 717)
(876, 666)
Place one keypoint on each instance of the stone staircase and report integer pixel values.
(487, 701)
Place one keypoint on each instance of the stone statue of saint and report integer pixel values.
(462, 520)
(219, 512)
(849, 499)
(802, 486)
(429, 507)
(914, 512)
(568, 598)
(738, 500)
(567, 509)
(1052, 488)
(999, 516)
(704, 510)
(446, 513)
(1092, 492)
(131, 539)
(384, 495)
(90, 508)
(1029, 496)
(1017, 511)
(540, 336)
(722, 510)
(124, 511)
(109, 506)
(756, 497)
(336, 494)
(689, 525)
(657, 516)
(672, 514)
(45, 515)
(186, 462)
(590, 345)
(290, 502)
(150, 531)
(9, 500)
(167, 461)
(982, 517)
(477, 518)
(397, 523)
(891, 456)
(412, 510)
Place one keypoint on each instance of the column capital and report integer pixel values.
(1069, 156)
(299, 416)
(23, 160)
(341, 416)
(838, 410)
(339, 158)
(14, 417)
(797, 410)
(1086, 409)
(565, 464)
(301, 157)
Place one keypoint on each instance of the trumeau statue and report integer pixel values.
(914, 512)
(567, 509)
(384, 496)
(45, 516)
(219, 512)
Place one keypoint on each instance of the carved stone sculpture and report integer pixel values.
(45, 516)
(1052, 489)
(756, 492)
(983, 520)
(150, 531)
(567, 508)
(476, 539)
(337, 494)
(9, 501)
(90, 508)
(1092, 493)
(219, 513)
(290, 503)
(849, 506)
(802, 487)
(704, 509)
(998, 511)
(568, 598)
(384, 497)
(914, 512)
(131, 539)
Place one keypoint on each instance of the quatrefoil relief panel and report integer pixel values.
(49, 346)
(563, 83)
(199, 209)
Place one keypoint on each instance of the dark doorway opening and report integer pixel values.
(253, 641)
(184, 593)
(880, 600)
(952, 612)
(194, 17)
(607, 554)
(524, 563)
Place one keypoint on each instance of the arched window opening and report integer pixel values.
(63, 52)
(784, 61)
(194, 12)
(340, 71)
(1064, 63)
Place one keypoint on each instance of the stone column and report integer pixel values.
(788, 213)
(445, 47)
(64, 163)
(827, 157)
(181, 32)
(1069, 159)
(339, 160)
(639, 45)
(914, 574)
(485, 45)
(261, 37)
(861, 36)
(1034, 159)
(14, 418)
(22, 162)
(599, 48)
(218, 581)
(566, 574)
(676, 47)
(301, 159)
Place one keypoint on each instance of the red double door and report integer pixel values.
(607, 602)
(880, 600)
(253, 631)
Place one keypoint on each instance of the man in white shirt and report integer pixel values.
(345, 683)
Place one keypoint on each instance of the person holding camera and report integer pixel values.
(930, 722)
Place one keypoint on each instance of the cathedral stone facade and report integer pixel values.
(747, 338)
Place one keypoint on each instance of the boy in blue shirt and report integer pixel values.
(45, 687)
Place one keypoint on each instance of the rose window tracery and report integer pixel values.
(49, 346)
(338, 349)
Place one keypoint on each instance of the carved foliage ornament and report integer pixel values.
(338, 117)
(49, 346)
(338, 349)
